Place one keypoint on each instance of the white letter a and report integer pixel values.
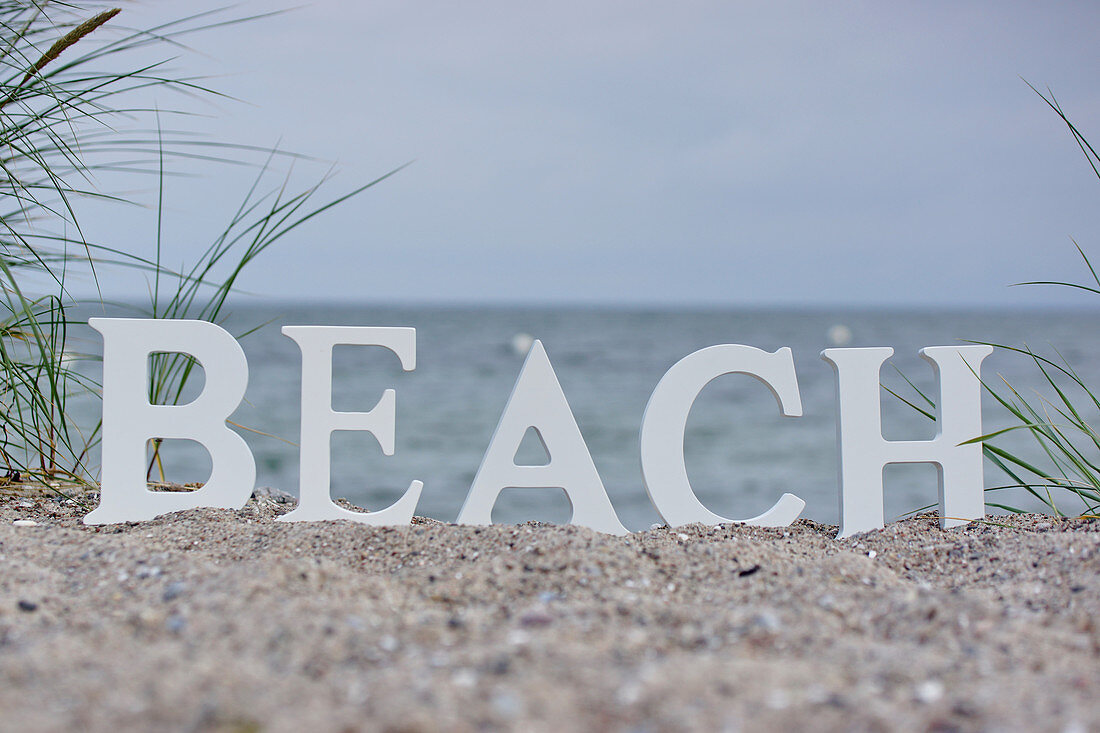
(538, 402)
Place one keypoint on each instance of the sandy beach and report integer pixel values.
(216, 620)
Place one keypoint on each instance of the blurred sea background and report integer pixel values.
(741, 454)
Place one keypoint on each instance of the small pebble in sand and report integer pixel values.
(778, 699)
(28, 606)
(536, 618)
(272, 494)
(507, 704)
(929, 691)
(25, 523)
(767, 621)
(464, 678)
(173, 590)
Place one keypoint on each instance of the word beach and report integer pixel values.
(537, 402)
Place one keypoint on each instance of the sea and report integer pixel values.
(741, 453)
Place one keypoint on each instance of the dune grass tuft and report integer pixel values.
(75, 102)
(1065, 475)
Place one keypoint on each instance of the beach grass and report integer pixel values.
(75, 102)
(1065, 475)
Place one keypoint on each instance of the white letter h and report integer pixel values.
(863, 452)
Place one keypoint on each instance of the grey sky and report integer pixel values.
(674, 153)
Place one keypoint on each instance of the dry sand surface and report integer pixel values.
(226, 620)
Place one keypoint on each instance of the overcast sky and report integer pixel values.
(688, 153)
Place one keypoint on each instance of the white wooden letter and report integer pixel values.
(129, 420)
(665, 421)
(319, 420)
(864, 453)
(538, 402)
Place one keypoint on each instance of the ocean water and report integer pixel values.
(741, 454)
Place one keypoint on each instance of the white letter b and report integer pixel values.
(129, 420)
